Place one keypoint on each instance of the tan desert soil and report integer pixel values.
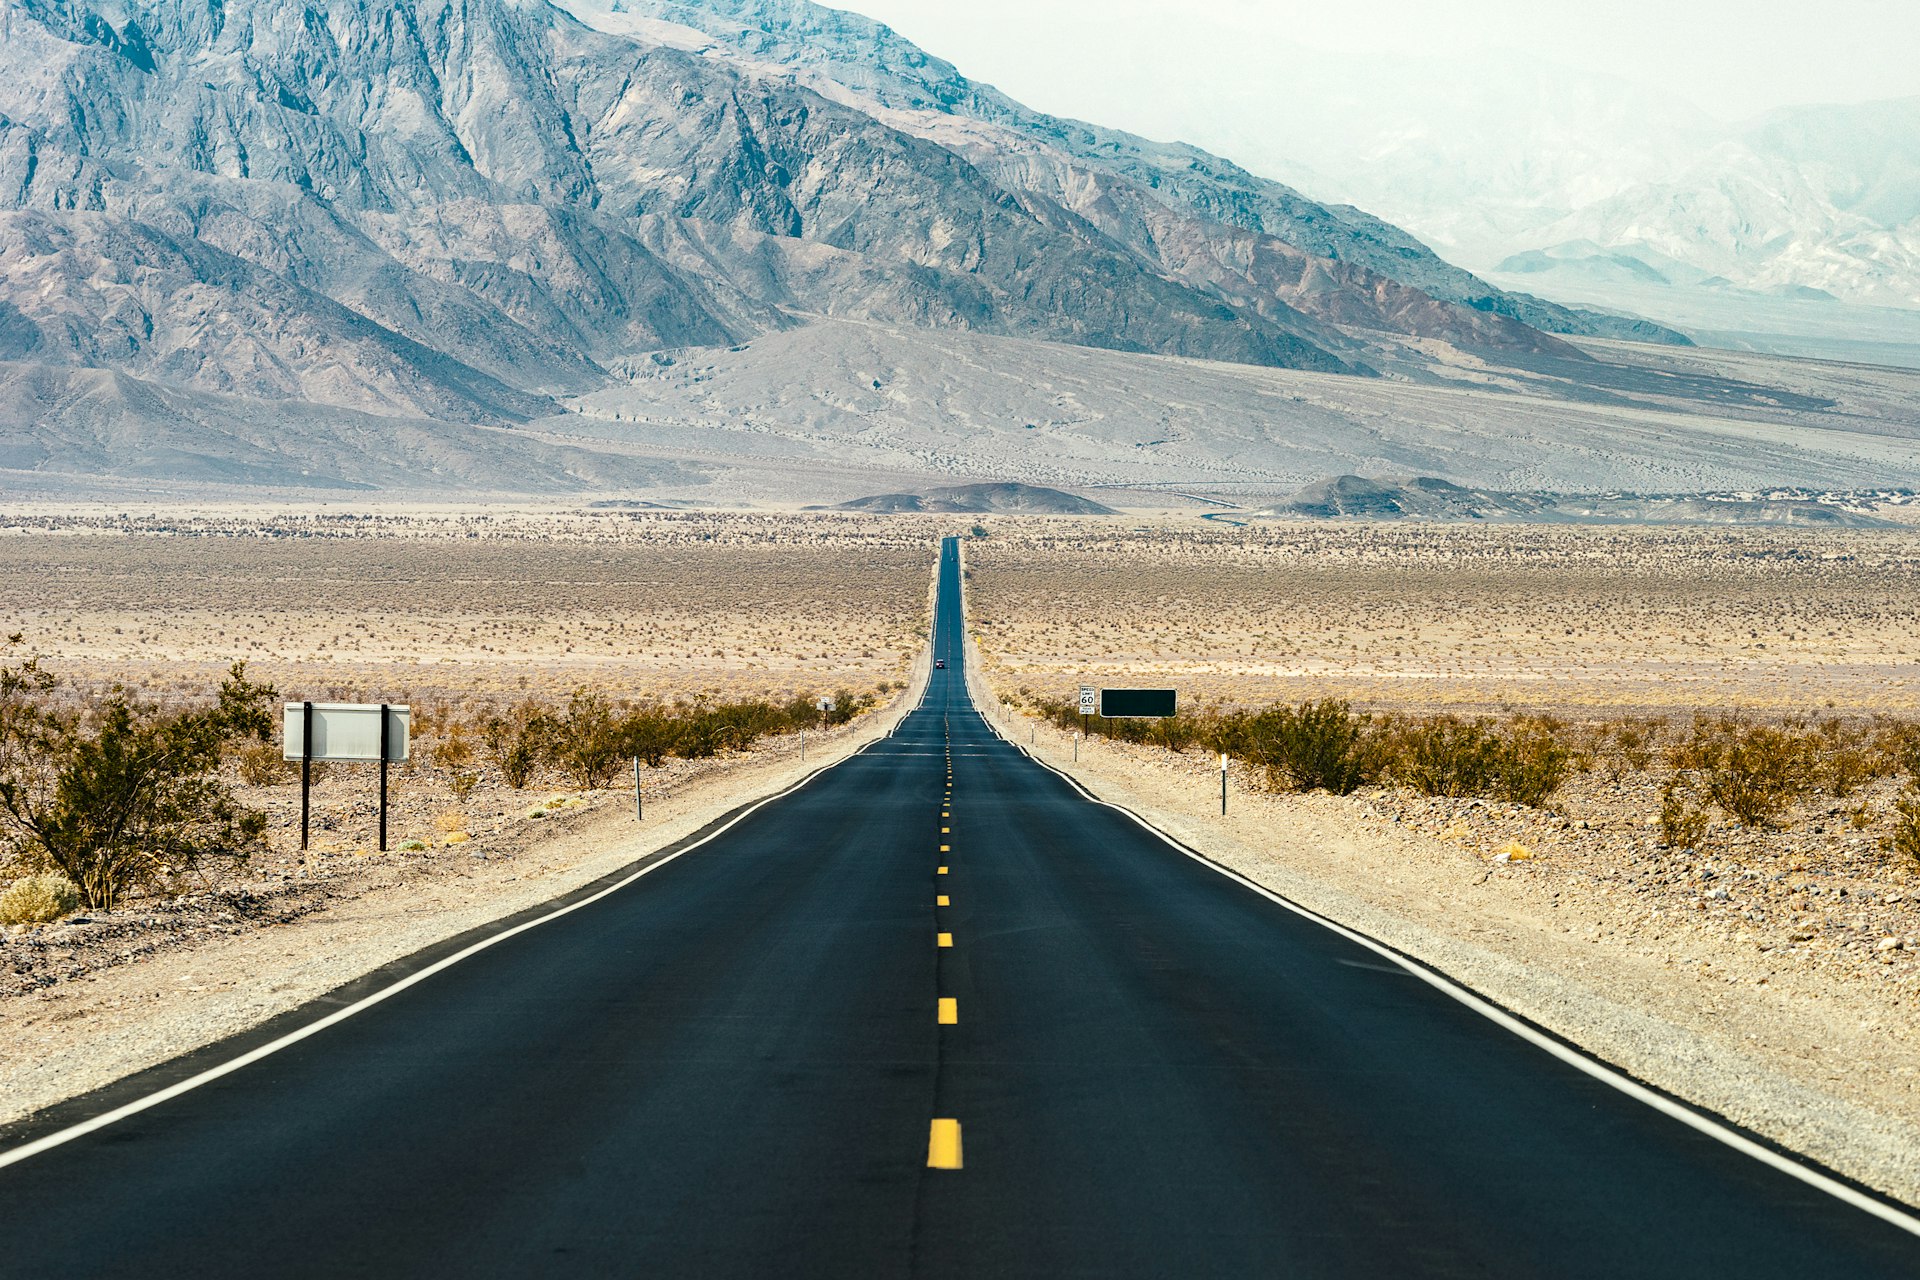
(1422, 616)
(1775, 982)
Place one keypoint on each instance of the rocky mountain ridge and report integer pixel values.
(1351, 497)
(1112, 177)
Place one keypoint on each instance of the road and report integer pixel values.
(739, 1064)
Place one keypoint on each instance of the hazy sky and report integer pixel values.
(1732, 57)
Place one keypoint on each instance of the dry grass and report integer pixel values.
(1457, 617)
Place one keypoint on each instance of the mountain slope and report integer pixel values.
(459, 207)
(1812, 200)
(871, 63)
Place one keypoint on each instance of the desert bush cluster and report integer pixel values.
(1750, 771)
(105, 794)
(119, 793)
(590, 738)
(1326, 745)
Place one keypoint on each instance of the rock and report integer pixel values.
(1887, 944)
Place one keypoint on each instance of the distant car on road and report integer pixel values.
(939, 664)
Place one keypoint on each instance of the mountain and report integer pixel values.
(501, 245)
(459, 209)
(982, 499)
(1578, 184)
(1815, 202)
(1176, 204)
(1430, 498)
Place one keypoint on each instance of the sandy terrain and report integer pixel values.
(478, 606)
(1462, 617)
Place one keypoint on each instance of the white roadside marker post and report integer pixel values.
(1223, 784)
(639, 805)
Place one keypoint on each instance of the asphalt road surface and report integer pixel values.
(933, 1013)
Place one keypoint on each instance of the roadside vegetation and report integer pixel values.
(117, 793)
(1748, 773)
(108, 795)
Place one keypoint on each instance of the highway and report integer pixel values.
(934, 1013)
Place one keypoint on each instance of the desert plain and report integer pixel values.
(1785, 955)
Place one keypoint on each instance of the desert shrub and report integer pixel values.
(1683, 823)
(1752, 771)
(1533, 761)
(1904, 841)
(38, 900)
(1446, 756)
(848, 704)
(455, 754)
(262, 764)
(516, 743)
(648, 735)
(587, 741)
(1897, 744)
(1847, 758)
(121, 793)
(1627, 746)
(1317, 746)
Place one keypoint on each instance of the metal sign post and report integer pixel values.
(306, 770)
(374, 732)
(386, 731)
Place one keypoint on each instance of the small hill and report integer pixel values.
(1429, 498)
(982, 499)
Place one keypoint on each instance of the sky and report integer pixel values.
(1733, 58)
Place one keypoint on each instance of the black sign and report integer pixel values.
(1115, 703)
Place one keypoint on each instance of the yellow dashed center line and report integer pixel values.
(942, 939)
(946, 848)
(942, 901)
(943, 1145)
(949, 1011)
(940, 871)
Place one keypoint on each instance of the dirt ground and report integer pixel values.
(469, 607)
(1470, 618)
(1771, 976)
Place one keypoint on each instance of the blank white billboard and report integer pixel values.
(347, 731)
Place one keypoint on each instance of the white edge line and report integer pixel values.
(1592, 1067)
(63, 1136)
